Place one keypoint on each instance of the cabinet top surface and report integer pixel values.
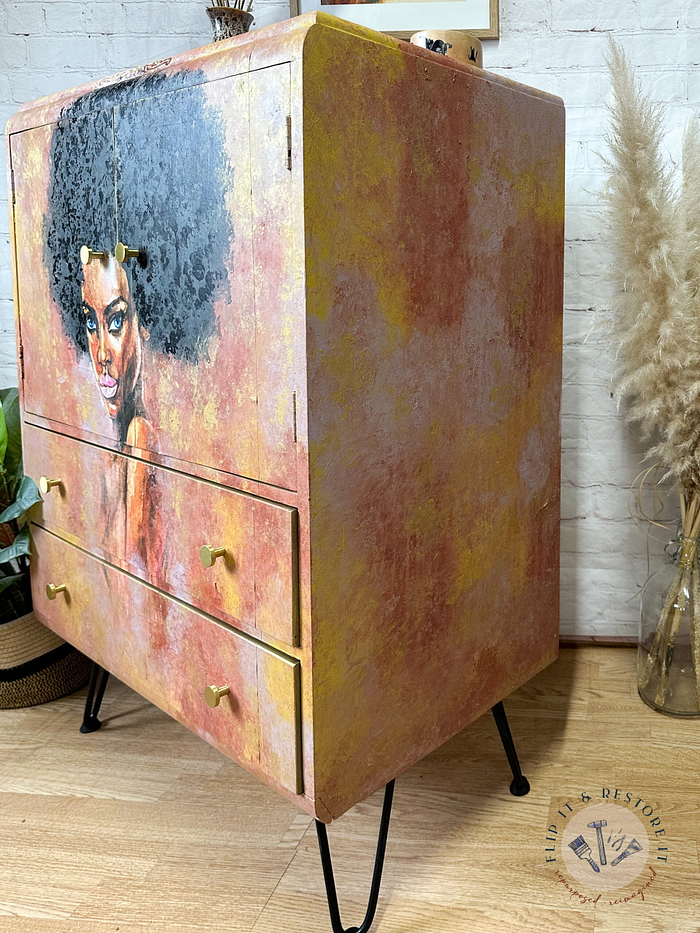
(285, 41)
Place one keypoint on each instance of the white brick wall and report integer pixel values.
(556, 45)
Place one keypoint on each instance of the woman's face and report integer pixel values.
(112, 331)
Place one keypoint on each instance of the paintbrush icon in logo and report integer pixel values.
(581, 848)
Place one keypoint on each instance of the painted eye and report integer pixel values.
(90, 322)
(116, 322)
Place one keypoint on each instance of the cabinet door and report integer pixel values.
(164, 351)
(277, 263)
(64, 198)
(183, 200)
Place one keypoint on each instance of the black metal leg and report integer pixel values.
(376, 876)
(519, 785)
(94, 698)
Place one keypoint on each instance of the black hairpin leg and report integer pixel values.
(519, 785)
(94, 698)
(376, 876)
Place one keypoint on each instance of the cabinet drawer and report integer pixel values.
(154, 522)
(84, 504)
(170, 654)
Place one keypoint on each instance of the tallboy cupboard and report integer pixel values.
(289, 324)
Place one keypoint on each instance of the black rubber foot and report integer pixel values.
(92, 725)
(520, 787)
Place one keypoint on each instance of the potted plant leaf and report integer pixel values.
(36, 666)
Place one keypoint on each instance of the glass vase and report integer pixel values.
(668, 659)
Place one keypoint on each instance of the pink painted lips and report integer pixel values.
(108, 386)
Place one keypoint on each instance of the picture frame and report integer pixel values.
(403, 18)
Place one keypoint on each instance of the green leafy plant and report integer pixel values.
(18, 493)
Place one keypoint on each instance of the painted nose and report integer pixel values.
(102, 352)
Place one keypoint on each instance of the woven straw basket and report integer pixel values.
(36, 666)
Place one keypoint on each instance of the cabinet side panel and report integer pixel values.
(434, 229)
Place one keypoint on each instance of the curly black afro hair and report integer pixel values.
(165, 152)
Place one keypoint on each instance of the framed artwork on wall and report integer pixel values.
(401, 18)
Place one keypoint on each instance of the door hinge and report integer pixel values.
(12, 184)
(289, 143)
(294, 414)
(20, 357)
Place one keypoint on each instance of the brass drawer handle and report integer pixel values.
(87, 255)
(46, 485)
(122, 252)
(208, 555)
(53, 589)
(213, 695)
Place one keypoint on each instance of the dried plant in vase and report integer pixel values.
(230, 18)
(654, 231)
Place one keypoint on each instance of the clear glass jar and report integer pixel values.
(668, 657)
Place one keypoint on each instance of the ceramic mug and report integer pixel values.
(452, 43)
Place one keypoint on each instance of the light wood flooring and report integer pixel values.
(143, 828)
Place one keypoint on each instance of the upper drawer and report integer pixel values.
(170, 654)
(188, 348)
(155, 522)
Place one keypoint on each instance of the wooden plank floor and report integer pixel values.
(143, 828)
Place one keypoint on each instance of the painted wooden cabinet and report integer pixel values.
(289, 321)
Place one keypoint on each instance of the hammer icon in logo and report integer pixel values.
(598, 826)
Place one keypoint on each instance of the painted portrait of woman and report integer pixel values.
(142, 163)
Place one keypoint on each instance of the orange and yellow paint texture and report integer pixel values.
(334, 351)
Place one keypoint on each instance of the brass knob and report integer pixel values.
(213, 695)
(87, 255)
(122, 253)
(208, 555)
(53, 589)
(45, 484)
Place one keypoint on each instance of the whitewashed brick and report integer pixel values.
(585, 223)
(268, 13)
(25, 19)
(524, 17)
(7, 316)
(130, 51)
(661, 15)
(149, 19)
(693, 83)
(622, 17)
(578, 328)
(592, 257)
(662, 48)
(13, 51)
(589, 123)
(64, 17)
(583, 50)
(505, 55)
(60, 52)
(190, 20)
(106, 19)
(8, 375)
(28, 85)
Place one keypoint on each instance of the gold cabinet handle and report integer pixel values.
(208, 555)
(122, 252)
(213, 695)
(53, 589)
(46, 484)
(87, 255)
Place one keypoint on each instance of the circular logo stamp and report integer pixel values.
(607, 847)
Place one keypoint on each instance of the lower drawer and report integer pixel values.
(169, 653)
